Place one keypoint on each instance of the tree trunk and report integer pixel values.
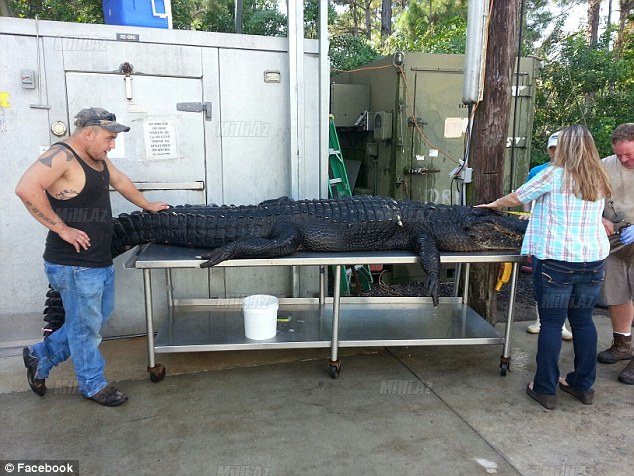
(593, 22)
(368, 19)
(355, 19)
(4, 8)
(626, 7)
(386, 20)
(489, 136)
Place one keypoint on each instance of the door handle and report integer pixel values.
(195, 107)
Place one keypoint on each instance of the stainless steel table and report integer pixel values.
(195, 325)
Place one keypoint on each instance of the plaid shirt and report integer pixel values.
(562, 227)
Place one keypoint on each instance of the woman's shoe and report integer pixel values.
(584, 396)
(565, 333)
(533, 328)
(549, 402)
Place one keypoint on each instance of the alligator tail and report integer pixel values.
(187, 225)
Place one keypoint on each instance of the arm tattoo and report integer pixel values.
(47, 159)
(38, 214)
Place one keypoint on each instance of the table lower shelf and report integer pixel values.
(195, 328)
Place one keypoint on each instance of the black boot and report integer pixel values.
(621, 350)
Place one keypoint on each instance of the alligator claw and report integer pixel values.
(433, 286)
(217, 256)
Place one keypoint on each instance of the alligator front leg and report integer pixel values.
(429, 258)
(285, 239)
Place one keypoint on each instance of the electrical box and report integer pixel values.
(27, 78)
(382, 125)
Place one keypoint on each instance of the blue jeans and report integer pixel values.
(88, 297)
(564, 289)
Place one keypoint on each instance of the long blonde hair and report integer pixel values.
(584, 174)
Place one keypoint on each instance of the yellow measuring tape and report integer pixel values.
(517, 213)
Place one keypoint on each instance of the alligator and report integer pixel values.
(282, 226)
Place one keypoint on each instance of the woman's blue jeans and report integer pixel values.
(565, 289)
(88, 297)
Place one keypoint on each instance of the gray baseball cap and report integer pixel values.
(96, 116)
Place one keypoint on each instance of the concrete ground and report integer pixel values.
(399, 410)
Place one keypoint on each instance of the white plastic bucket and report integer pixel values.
(260, 316)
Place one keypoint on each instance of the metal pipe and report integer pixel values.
(296, 94)
(322, 284)
(170, 287)
(39, 105)
(295, 280)
(465, 291)
(336, 303)
(149, 317)
(474, 51)
(509, 319)
(238, 15)
(324, 98)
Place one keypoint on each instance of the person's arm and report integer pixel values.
(122, 184)
(627, 235)
(49, 168)
(506, 201)
(527, 208)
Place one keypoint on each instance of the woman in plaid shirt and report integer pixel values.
(568, 241)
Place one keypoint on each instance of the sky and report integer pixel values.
(579, 14)
(576, 15)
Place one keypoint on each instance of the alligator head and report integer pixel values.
(492, 230)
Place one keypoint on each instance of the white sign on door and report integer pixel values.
(160, 139)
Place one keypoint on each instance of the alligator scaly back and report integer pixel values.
(214, 226)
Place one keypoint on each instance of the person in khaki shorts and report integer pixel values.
(618, 288)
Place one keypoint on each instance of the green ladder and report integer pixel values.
(339, 186)
(338, 183)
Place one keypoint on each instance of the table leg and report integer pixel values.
(170, 288)
(505, 359)
(157, 371)
(465, 291)
(335, 364)
(322, 284)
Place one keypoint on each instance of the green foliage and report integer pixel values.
(311, 17)
(348, 51)
(581, 84)
(431, 26)
(259, 17)
(189, 14)
(448, 38)
(82, 11)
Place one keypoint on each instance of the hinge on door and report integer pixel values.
(195, 107)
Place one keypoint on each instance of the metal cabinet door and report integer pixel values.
(153, 102)
(182, 160)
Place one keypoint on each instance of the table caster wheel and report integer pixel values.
(504, 367)
(335, 368)
(157, 373)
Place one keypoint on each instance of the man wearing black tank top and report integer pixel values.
(67, 191)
